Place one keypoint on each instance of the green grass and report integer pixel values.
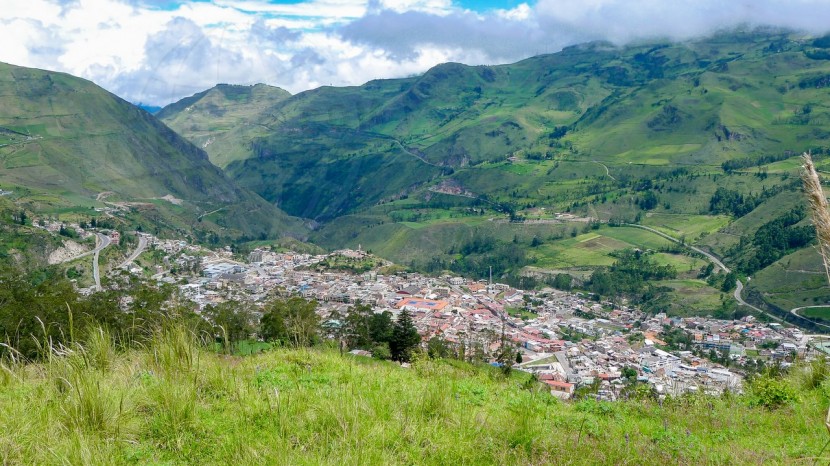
(173, 403)
(595, 248)
(816, 312)
(521, 313)
(683, 264)
(690, 226)
(636, 237)
(246, 347)
(692, 297)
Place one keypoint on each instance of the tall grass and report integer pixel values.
(174, 402)
(821, 220)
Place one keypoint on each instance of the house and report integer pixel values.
(559, 389)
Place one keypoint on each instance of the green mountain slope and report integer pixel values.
(66, 143)
(686, 138)
(206, 118)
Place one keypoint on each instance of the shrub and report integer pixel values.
(771, 392)
(814, 373)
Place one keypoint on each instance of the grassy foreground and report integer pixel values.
(173, 403)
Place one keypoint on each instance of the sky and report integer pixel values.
(157, 51)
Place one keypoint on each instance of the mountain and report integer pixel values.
(512, 166)
(152, 109)
(207, 118)
(66, 145)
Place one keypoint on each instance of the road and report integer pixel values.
(211, 212)
(413, 154)
(607, 172)
(104, 242)
(739, 287)
(80, 256)
(708, 255)
(795, 313)
(142, 245)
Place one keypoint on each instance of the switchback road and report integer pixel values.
(142, 245)
(102, 241)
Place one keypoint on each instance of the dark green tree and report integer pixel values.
(404, 339)
(380, 327)
(358, 326)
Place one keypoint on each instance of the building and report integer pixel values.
(420, 304)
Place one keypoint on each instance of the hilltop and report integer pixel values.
(176, 402)
(68, 147)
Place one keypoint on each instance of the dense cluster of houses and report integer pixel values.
(567, 339)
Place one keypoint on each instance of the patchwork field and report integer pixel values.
(596, 248)
(816, 312)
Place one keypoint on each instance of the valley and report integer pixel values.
(699, 140)
(558, 165)
(313, 232)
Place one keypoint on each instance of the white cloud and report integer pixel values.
(622, 20)
(156, 54)
(520, 13)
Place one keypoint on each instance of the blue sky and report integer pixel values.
(158, 51)
(484, 5)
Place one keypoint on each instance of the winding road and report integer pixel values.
(607, 171)
(413, 154)
(142, 245)
(708, 255)
(739, 287)
(795, 313)
(101, 241)
(104, 242)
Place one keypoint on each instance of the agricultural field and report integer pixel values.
(816, 312)
(694, 297)
(596, 248)
(686, 226)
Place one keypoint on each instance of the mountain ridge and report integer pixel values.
(646, 132)
(81, 140)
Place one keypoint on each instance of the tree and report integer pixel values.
(231, 322)
(437, 347)
(404, 339)
(380, 327)
(293, 321)
(729, 281)
(518, 357)
(358, 331)
(563, 281)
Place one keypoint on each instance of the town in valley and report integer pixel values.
(568, 339)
